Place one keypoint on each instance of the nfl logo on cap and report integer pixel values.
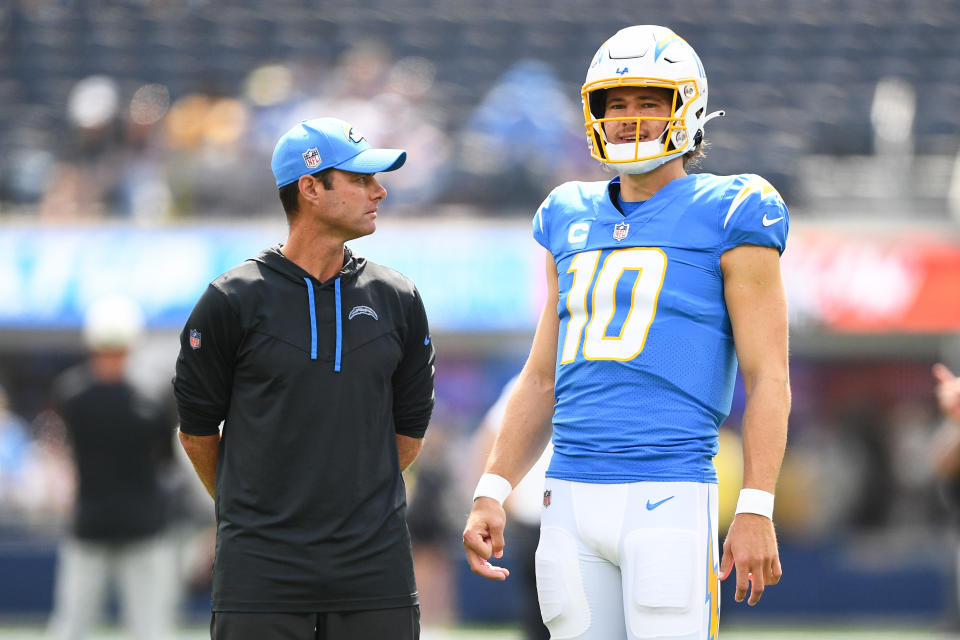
(620, 231)
(312, 158)
(194, 339)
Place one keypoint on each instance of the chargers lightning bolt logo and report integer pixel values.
(662, 46)
(713, 583)
(755, 184)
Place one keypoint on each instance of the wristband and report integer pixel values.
(755, 501)
(493, 486)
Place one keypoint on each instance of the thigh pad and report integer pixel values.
(660, 582)
(563, 601)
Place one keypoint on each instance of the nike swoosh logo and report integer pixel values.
(653, 505)
(767, 221)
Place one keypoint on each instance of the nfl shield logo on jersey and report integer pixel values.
(194, 339)
(620, 231)
(546, 498)
(311, 157)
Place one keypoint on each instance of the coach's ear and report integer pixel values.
(312, 190)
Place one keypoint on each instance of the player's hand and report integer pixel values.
(948, 391)
(483, 537)
(751, 547)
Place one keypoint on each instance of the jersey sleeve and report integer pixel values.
(413, 380)
(204, 371)
(755, 214)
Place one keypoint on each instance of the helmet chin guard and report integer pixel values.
(646, 56)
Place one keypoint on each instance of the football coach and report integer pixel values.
(319, 365)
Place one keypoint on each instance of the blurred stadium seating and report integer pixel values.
(796, 77)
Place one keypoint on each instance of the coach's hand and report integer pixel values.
(751, 546)
(483, 537)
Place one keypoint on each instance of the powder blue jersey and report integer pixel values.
(645, 357)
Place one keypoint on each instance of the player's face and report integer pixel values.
(636, 102)
(351, 206)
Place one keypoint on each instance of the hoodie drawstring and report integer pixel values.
(336, 295)
(313, 320)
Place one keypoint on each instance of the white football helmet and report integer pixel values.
(646, 56)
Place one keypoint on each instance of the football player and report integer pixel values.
(659, 282)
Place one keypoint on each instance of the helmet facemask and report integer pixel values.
(639, 156)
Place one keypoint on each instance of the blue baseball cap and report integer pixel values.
(324, 143)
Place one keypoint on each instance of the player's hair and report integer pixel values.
(693, 157)
(289, 193)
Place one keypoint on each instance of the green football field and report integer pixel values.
(793, 632)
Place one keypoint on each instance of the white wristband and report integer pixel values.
(755, 501)
(493, 486)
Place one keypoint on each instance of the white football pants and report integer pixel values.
(629, 561)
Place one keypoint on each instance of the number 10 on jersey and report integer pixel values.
(650, 265)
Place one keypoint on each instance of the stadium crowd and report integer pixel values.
(164, 111)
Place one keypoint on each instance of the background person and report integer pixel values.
(121, 442)
(945, 456)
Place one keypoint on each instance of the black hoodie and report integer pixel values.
(312, 381)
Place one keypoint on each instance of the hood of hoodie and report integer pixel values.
(274, 259)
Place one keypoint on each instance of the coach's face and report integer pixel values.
(636, 102)
(350, 207)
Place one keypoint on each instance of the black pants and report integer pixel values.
(402, 623)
